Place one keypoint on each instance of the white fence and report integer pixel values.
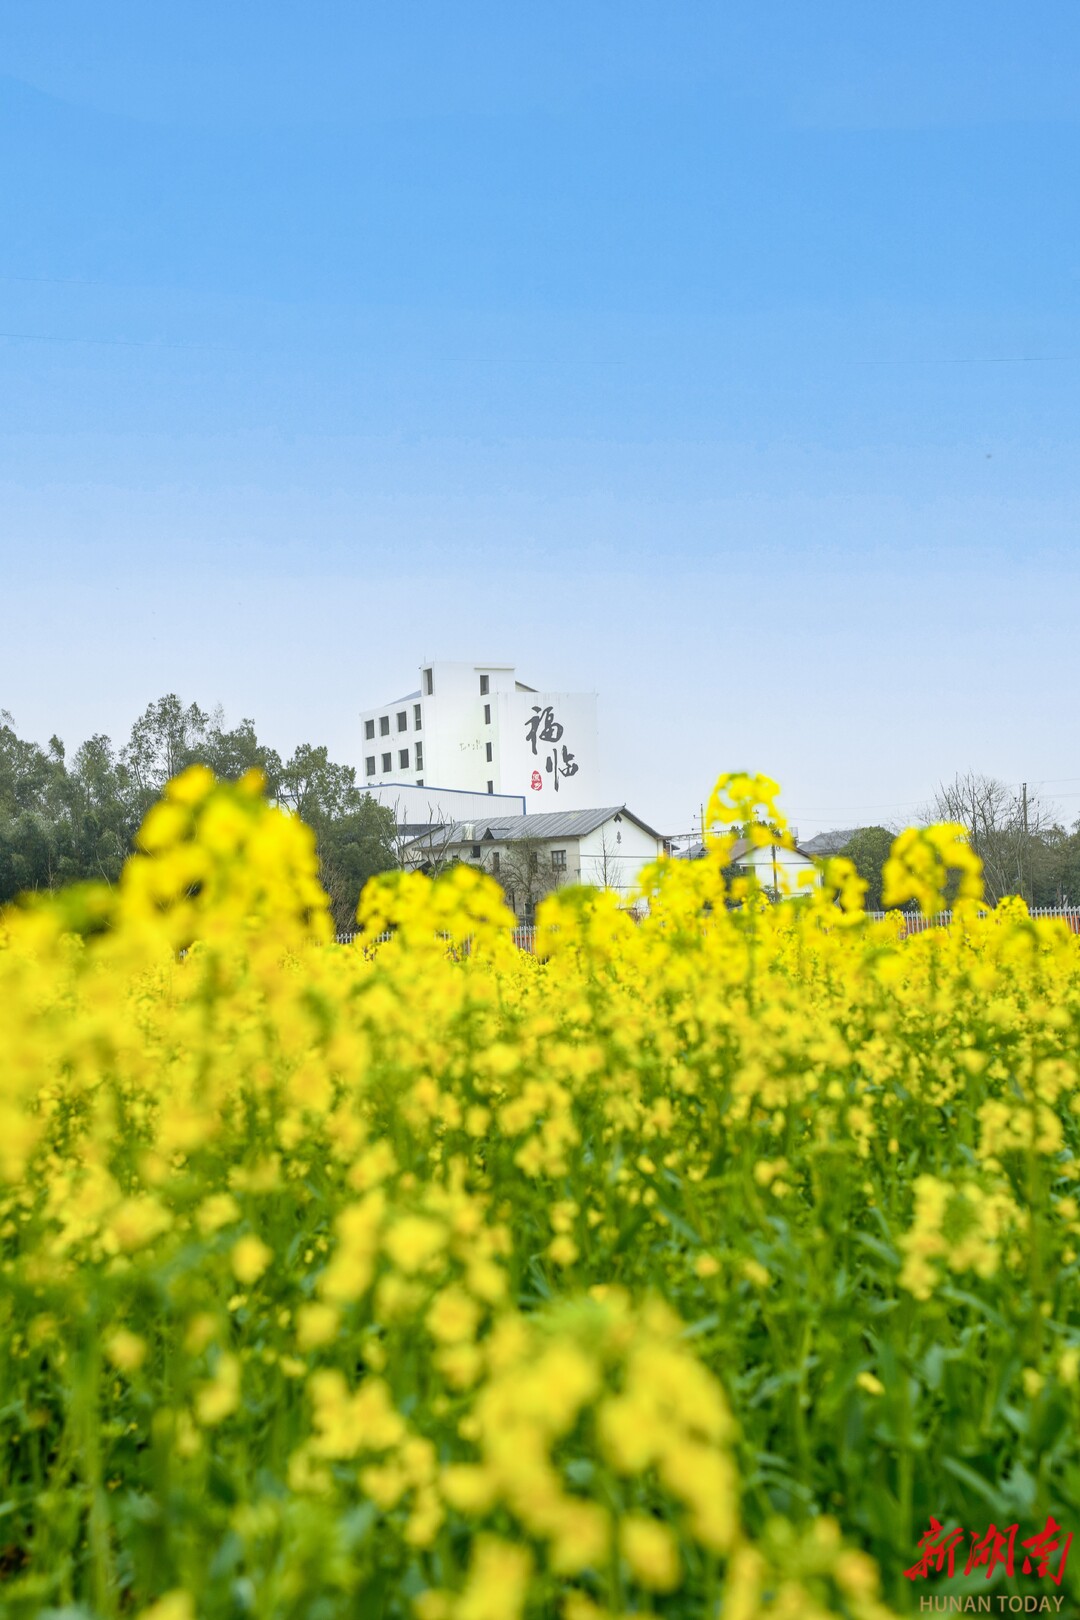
(524, 938)
(914, 923)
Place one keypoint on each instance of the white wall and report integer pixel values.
(623, 848)
(618, 849)
(455, 738)
(792, 872)
(458, 735)
(556, 771)
(393, 745)
(414, 805)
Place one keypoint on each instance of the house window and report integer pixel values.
(428, 684)
(558, 860)
(489, 753)
(487, 714)
(386, 764)
(496, 861)
(534, 861)
(476, 852)
(419, 781)
(403, 720)
(369, 730)
(403, 759)
(384, 725)
(416, 716)
(491, 787)
(419, 756)
(485, 685)
(369, 765)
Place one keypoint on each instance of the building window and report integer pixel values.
(419, 756)
(476, 852)
(403, 758)
(496, 861)
(491, 787)
(558, 860)
(489, 753)
(386, 763)
(428, 684)
(487, 714)
(485, 685)
(384, 725)
(534, 861)
(419, 781)
(369, 730)
(369, 765)
(403, 720)
(417, 715)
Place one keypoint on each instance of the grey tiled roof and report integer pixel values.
(546, 824)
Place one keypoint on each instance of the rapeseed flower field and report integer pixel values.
(691, 1267)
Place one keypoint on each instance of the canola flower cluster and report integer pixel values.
(684, 1268)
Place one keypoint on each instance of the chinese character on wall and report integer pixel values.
(542, 726)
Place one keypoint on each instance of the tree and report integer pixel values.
(62, 821)
(230, 753)
(428, 850)
(315, 788)
(868, 850)
(164, 739)
(526, 872)
(353, 848)
(99, 809)
(26, 770)
(1055, 867)
(607, 865)
(34, 847)
(1004, 827)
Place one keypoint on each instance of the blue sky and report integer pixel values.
(722, 359)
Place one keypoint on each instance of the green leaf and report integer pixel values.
(704, 1324)
(974, 1482)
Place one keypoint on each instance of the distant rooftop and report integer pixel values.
(830, 843)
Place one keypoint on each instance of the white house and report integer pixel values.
(476, 728)
(779, 870)
(783, 871)
(531, 855)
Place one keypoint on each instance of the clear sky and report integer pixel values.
(720, 358)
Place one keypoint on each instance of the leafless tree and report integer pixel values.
(527, 873)
(607, 865)
(1007, 828)
(428, 851)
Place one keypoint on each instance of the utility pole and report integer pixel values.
(1024, 849)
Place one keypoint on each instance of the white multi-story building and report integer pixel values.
(476, 728)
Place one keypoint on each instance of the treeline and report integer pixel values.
(1024, 847)
(64, 818)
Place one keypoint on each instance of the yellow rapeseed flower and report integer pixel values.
(250, 1257)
